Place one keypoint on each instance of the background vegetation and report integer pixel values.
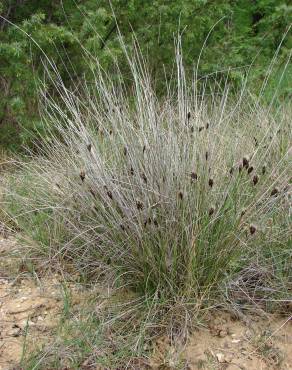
(247, 32)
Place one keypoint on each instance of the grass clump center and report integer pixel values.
(171, 198)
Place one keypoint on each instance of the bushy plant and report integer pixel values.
(169, 198)
(236, 35)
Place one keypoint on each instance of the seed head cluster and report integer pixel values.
(164, 191)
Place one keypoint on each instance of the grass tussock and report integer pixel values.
(184, 200)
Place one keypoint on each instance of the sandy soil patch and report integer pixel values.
(261, 343)
(31, 307)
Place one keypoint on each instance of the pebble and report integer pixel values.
(248, 334)
(15, 332)
(229, 331)
(220, 357)
(222, 333)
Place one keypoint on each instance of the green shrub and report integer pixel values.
(244, 33)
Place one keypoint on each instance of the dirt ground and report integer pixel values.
(30, 308)
(264, 343)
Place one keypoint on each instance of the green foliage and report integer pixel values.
(63, 30)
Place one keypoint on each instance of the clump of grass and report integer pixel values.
(133, 189)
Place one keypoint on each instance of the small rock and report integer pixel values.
(222, 333)
(248, 334)
(229, 331)
(15, 331)
(220, 357)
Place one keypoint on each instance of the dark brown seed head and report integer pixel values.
(122, 227)
(201, 128)
(92, 192)
(211, 183)
(245, 162)
(132, 171)
(255, 141)
(240, 168)
(82, 175)
(144, 178)
(89, 146)
(194, 176)
(206, 155)
(211, 211)
(155, 222)
(274, 192)
(250, 169)
(139, 205)
(189, 115)
(180, 195)
(144, 148)
(125, 151)
(255, 179)
(192, 129)
(252, 229)
(231, 170)
(264, 168)
(286, 188)
(207, 126)
(243, 212)
(110, 132)
(109, 194)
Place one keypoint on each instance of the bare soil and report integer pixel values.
(227, 343)
(30, 309)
